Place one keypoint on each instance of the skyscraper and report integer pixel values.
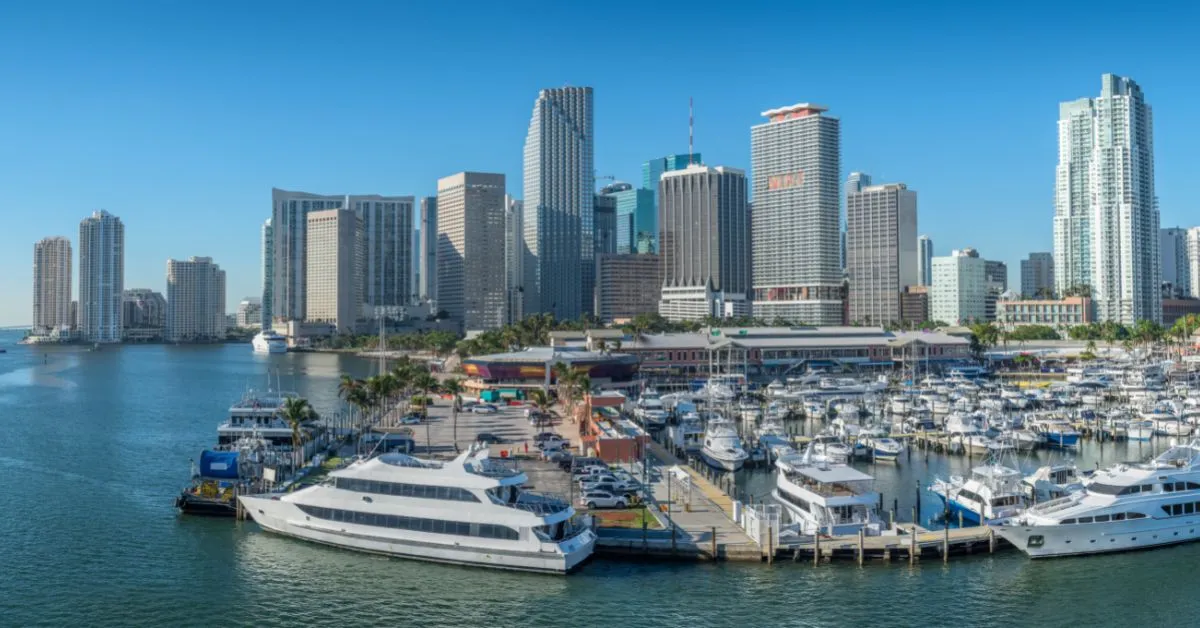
(558, 222)
(653, 169)
(995, 277)
(52, 284)
(143, 314)
(1173, 251)
(195, 300)
(881, 248)
(334, 268)
(1037, 276)
(387, 223)
(627, 285)
(514, 256)
(704, 240)
(796, 227)
(959, 292)
(925, 261)
(471, 252)
(268, 273)
(428, 254)
(289, 222)
(1106, 215)
(637, 218)
(645, 224)
(604, 230)
(1193, 252)
(101, 276)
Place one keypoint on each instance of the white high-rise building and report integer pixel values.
(797, 272)
(1106, 223)
(289, 222)
(1193, 253)
(268, 273)
(925, 261)
(52, 284)
(1176, 273)
(514, 255)
(881, 248)
(101, 277)
(559, 187)
(471, 283)
(195, 300)
(960, 288)
(705, 233)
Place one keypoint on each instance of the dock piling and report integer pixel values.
(714, 543)
(816, 548)
(861, 534)
(946, 545)
(991, 540)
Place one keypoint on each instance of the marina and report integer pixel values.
(699, 511)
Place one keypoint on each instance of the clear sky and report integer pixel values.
(179, 117)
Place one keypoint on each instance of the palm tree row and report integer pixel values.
(573, 385)
(375, 396)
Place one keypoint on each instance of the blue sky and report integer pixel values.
(180, 117)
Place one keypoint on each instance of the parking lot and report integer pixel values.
(437, 436)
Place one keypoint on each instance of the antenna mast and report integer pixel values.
(691, 133)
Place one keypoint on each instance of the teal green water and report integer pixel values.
(94, 447)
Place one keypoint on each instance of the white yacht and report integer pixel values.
(824, 498)
(649, 409)
(1125, 507)
(991, 494)
(257, 415)
(469, 511)
(688, 432)
(883, 448)
(269, 342)
(722, 447)
(1052, 481)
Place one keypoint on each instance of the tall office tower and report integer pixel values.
(995, 276)
(289, 222)
(627, 285)
(1173, 252)
(637, 217)
(959, 292)
(925, 261)
(387, 223)
(144, 314)
(1193, 252)
(796, 226)
(429, 246)
(1037, 276)
(52, 284)
(268, 273)
(334, 268)
(415, 262)
(471, 286)
(195, 300)
(704, 241)
(558, 222)
(514, 256)
(604, 224)
(1105, 212)
(653, 169)
(101, 276)
(881, 249)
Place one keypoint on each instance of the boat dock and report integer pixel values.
(902, 544)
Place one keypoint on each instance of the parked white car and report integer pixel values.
(600, 499)
(484, 409)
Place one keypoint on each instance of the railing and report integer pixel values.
(540, 503)
(494, 467)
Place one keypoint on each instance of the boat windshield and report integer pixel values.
(1113, 489)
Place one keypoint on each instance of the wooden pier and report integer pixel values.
(904, 546)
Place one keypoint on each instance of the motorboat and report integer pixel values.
(1055, 432)
(267, 341)
(990, 495)
(1052, 482)
(831, 448)
(649, 409)
(773, 436)
(469, 511)
(883, 448)
(827, 498)
(722, 447)
(1023, 440)
(1121, 508)
(688, 432)
(1139, 430)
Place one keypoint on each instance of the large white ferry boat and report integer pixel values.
(1125, 507)
(468, 511)
(269, 342)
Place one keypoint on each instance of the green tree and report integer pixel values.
(454, 388)
(297, 412)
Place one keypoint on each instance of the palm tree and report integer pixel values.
(349, 388)
(297, 411)
(454, 388)
(540, 400)
(565, 376)
(425, 383)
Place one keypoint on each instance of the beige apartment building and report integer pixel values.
(52, 284)
(627, 285)
(334, 265)
(195, 300)
(471, 282)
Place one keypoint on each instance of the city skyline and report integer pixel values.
(228, 159)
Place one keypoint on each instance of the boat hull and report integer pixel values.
(192, 505)
(284, 518)
(1091, 538)
(724, 464)
(1060, 440)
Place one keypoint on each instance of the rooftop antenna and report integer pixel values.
(691, 133)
